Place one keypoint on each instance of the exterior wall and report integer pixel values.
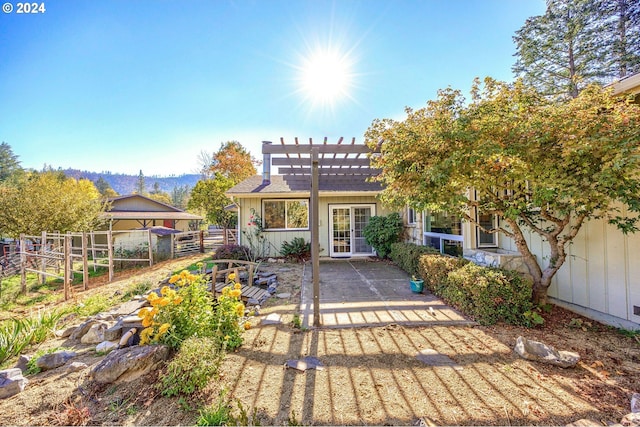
(601, 273)
(413, 232)
(130, 224)
(276, 238)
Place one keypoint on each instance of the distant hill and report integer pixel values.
(126, 184)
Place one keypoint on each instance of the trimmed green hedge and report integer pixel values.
(488, 295)
(407, 256)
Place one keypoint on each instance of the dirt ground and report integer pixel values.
(370, 376)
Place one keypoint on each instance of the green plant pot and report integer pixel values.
(417, 286)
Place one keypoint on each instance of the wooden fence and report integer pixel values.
(63, 255)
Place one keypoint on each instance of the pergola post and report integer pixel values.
(315, 236)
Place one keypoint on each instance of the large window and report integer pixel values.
(287, 214)
(443, 232)
(488, 222)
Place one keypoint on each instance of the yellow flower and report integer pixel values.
(227, 337)
(144, 312)
(163, 301)
(231, 277)
(153, 311)
(145, 336)
(177, 300)
(247, 326)
(226, 290)
(174, 279)
(147, 321)
(163, 328)
(235, 293)
(239, 309)
(152, 297)
(237, 286)
(164, 290)
(199, 265)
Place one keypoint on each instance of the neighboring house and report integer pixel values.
(600, 278)
(135, 211)
(346, 200)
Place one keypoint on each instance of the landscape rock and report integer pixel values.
(114, 332)
(129, 363)
(631, 420)
(22, 362)
(106, 347)
(534, 350)
(82, 329)
(271, 319)
(635, 403)
(284, 295)
(305, 363)
(95, 334)
(130, 338)
(54, 360)
(65, 333)
(129, 307)
(11, 382)
(76, 366)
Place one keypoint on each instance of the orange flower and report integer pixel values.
(247, 326)
(237, 286)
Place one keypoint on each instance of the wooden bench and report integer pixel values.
(236, 266)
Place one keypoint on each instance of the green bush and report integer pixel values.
(191, 369)
(382, 231)
(298, 249)
(232, 252)
(407, 256)
(434, 268)
(488, 294)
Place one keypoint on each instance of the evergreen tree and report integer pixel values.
(9, 164)
(140, 184)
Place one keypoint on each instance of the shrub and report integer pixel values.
(434, 269)
(382, 231)
(238, 252)
(407, 256)
(489, 294)
(192, 368)
(190, 312)
(298, 249)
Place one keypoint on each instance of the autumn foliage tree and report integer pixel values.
(541, 166)
(49, 201)
(231, 164)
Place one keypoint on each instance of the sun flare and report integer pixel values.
(326, 77)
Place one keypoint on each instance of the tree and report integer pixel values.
(559, 52)
(208, 196)
(232, 161)
(180, 196)
(48, 201)
(620, 25)
(541, 166)
(9, 164)
(104, 188)
(141, 188)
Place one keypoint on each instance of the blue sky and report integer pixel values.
(124, 86)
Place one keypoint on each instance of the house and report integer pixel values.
(600, 278)
(281, 202)
(135, 211)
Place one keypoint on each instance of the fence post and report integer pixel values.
(43, 262)
(150, 247)
(85, 262)
(201, 241)
(225, 236)
(23, 265)
(173, 245)
(68, 272)
(110, 253)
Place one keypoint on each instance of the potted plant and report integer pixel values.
(416, 284)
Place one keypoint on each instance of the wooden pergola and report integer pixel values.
(315, 167)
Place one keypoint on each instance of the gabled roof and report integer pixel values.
(138, 207)
(629, 84)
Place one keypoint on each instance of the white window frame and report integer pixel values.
(493, 244)
(411, 216)
(285, 201)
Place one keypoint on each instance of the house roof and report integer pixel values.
(138, 207)
(301, 185)
(629, 84)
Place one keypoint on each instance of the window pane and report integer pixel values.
(486, 221)
(441, 222)
(297, 214)
(274, 214)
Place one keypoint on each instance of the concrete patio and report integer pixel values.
(364, 293)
